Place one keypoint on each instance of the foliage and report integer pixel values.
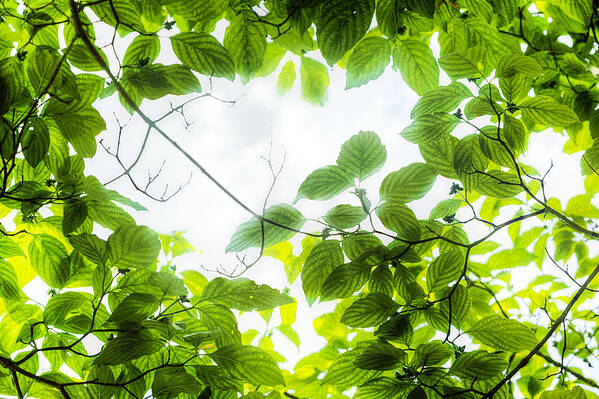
(424, 308)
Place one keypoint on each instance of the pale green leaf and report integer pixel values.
(503, 334)
(204, 54)
(408, 184)
(417, 65)
(324, 183)
(441, 99)
(479, 365)
(255, 234)
(323, 259)
(370, 310)
(133, 246)
(397, 217)
(362, 155)
(367, 61)
(286, 78)
(314, 81)
(243, 294)
(545, 111)
(248, 363)
(345, 216)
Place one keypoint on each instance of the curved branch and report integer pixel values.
(548, 335)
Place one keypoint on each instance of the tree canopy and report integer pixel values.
(424, 307)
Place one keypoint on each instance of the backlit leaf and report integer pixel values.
(362, 155)
(249, 234)
(248, 363)
(503, 334)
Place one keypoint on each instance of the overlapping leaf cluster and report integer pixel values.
(425, 308)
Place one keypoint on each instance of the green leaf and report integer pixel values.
(417, 393)
(408, 184)
(344, 373)
(370, 310)
(440, 154)
(97, 191)
(432, 353)
(513, 64)
(221, 323)
(430, 128)
(340, 25)
(580, 10)
(417, 65)
(250, 233)
(503, 334)
(12, 82)
(204, 54)
(74, 214)
(81, 58)
(444, 270)
(133, 246)
(499, 184)
(324, 183)
(575, 393)
(61, 306)
(387, 17)
(215, 377)
(345, 216)
(243, 294)
(397, 329)
(545, 111)
(362, 155)
(9, 248)
(179, 79)
(363, 246)
(143, 50)
(323, 258)
(314, 81)
(367, 61)
(135, 308)
(447, 207)
(460, 306)
(344, 280)
(397, 217)
(479, 365)
(50, 260)
(509, 258)
(286, 78)
(514, 134)
(35, 141)
(81, 129)
(381, 280)
(441, 99)
(246, 42)
(9, 284)
(128, 346)
(384, 388)
(507, 8)
(468, 160)
(380, 355)
(480, 8)
(493, 148)
(94, 248)
(147, 82)
(248, 363)
(469, 63)
(128, 15)
(108, 215)
(170, 382)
